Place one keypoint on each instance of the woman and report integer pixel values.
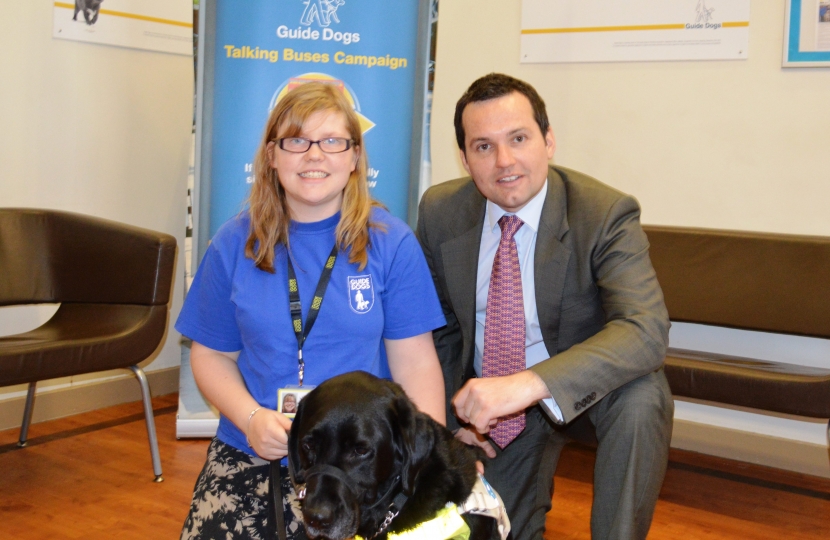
(309, 203)
(289, 404)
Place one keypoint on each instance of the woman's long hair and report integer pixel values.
(270, 215)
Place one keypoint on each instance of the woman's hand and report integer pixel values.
(220, 381)
(268, 434)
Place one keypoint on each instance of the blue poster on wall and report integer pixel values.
(263, 48)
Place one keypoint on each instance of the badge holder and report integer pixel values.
(288, 399)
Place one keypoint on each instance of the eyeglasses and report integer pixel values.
(299, 145)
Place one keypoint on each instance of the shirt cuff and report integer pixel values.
(549, 406)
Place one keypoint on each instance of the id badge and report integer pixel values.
(288, 399)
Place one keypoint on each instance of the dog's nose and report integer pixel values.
(318, 517)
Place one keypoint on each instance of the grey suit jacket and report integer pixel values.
(600, 307)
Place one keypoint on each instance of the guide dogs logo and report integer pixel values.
(361, 294)
(324, 11)
(703, 18)
(704, 14)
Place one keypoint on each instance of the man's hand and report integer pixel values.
(471, 438)
(481, 402)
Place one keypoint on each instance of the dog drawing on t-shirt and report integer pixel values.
(361, 303)
(89, 8)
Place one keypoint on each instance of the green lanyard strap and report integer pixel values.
(296, 308)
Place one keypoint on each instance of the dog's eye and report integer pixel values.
(362, 450)
(308, 450)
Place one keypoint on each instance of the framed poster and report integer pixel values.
(807, 33)
(634, 30)
(153, 25)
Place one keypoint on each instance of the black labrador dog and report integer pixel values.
(366, 462)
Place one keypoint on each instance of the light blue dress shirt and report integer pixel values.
(530, 214)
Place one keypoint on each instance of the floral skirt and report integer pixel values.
(232, 499)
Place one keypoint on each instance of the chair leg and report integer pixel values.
(27, 415)
(151, 424)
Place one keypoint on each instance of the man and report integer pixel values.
(592, 326)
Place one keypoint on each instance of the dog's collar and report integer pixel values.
(393, 510)
(394, 507)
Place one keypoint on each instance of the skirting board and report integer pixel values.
(53, 404)
(787, 454)
(196, 427)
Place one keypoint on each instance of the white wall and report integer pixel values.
(92, 129)
(743, 145)
(737, 145)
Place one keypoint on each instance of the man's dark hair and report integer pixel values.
(496, 85)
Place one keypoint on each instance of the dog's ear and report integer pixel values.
(297, 474)
(415, 440)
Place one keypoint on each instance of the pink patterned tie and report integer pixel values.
(504, 326)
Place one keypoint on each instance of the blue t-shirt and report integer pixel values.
(234, 306)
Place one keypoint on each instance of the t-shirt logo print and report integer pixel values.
(361, 293)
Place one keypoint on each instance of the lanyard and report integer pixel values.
(296, 308)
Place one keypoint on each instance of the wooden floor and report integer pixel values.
(89, 476)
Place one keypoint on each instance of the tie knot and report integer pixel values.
(509, 225)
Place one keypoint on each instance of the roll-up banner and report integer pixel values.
(251, 54)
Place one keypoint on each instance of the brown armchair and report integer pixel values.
(113, 283)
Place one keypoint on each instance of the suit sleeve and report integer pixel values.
(448, 339)
(632, 341)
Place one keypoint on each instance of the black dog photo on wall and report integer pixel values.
(90, 10)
